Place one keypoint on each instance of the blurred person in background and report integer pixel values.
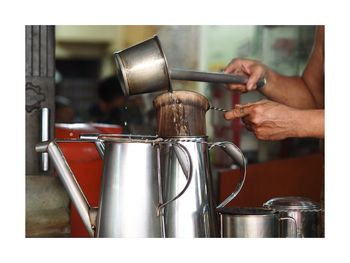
(115, 108)
(295, 105)
(64, 111)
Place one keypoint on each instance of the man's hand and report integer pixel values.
(251, 68)
(268, 120)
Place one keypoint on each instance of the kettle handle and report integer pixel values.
(183, 156)
(237, 156)
(69, 181)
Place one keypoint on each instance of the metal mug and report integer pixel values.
(251, 222)
(143, 68)
(307, 215)
(131, 200)
(194, 214)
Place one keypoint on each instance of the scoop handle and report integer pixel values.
(184, 74)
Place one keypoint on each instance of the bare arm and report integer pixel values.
(297, 106)
(305, 92)
(310, 123)
(270, 120)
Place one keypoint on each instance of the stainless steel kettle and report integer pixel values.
(194, 214)
(131, 200)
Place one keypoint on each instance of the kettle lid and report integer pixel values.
(291, 203)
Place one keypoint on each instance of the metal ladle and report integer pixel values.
(143, 68)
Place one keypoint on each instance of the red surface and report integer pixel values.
(85, 163)
(300, 176)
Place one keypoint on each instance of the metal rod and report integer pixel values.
(181, 74)
(45, 131)
(218, 109)
(71, 185)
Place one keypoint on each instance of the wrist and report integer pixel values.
(298, 124)
(270, 78)
(308, 123)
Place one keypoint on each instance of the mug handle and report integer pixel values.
(289, 218)
(237, 156)
(183, 156)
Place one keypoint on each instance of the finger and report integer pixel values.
(251, 83)
(246, 70)
(238, 112)
(255, 74)
(244, 105)
(232, 66)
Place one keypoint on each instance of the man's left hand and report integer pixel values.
(268, 120)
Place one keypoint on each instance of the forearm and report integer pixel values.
(309, 123)
(305, 92)
(290, 91)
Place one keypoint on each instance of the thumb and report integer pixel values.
(256, 72)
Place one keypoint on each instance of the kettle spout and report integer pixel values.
(69, 182)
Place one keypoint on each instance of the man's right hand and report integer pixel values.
(253, 69)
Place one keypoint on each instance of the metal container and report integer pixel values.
(251, 222)
(181, 119)
(181, 113)
(194, 214)
(306, 213)
(129, 191)
(248, 222)
(143, 68)
(131, 202)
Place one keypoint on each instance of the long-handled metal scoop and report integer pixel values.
(184, 74)
(143, 68)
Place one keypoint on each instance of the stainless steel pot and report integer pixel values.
(194, 214)
(143, 68)
(250, 222)
(306, 213)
